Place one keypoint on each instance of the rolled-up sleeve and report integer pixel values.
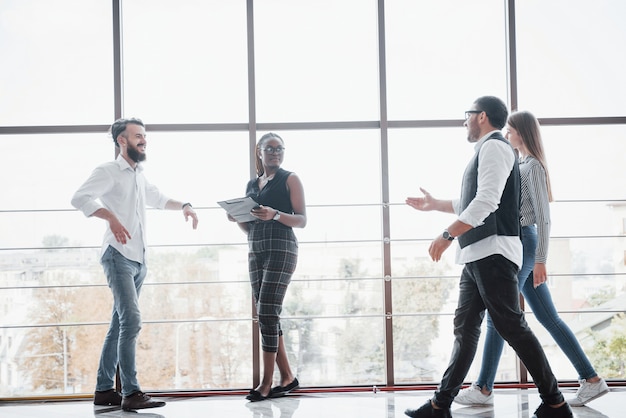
(154, 197)
(86, 197)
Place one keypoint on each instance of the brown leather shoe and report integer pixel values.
(107, 397)
(139, 400)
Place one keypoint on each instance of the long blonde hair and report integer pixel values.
(259, 164)
(528, 127)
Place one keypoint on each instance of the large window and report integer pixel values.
(369, 97)
(57, 61)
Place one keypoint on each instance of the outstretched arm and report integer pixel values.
(428, 203)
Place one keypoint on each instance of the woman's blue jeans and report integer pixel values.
(125, 278)
(540, 302)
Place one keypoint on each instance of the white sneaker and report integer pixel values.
(473, 396)
(587, 392)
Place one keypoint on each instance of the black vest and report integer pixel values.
(505, 220)
(274, 194)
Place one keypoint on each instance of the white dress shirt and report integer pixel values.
(125, 192)
(495, 162)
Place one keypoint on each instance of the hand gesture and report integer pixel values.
(120, 233)
(264, 213)
(437, 247)
(539, 274)
(189, 212)
(425, 203)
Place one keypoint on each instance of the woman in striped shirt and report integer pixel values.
(524, 134)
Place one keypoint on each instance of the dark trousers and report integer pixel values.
(491, 283)
(272, 259)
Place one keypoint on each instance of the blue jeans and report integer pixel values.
(540, 301)
(125, 278)
(491, 283)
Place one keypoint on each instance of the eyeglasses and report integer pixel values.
(468, 113)
(272, 150)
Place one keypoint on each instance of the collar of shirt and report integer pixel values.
(123, 164)
(483, 139)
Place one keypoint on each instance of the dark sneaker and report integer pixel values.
(140, 400)
(427, 411)
(107, 397)
(546, 411)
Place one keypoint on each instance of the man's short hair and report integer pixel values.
(119, 126)
(495, 109)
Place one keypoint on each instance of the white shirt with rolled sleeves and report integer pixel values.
(125, 192)
(495, 162)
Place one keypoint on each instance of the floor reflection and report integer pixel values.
(509, 403)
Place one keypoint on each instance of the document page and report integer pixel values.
(240, 208)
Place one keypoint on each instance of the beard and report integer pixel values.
(134, 154)
(472, 133)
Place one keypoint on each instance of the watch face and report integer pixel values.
(446, 235)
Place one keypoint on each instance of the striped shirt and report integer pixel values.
(535, 207)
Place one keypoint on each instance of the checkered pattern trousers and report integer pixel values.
(272, 259)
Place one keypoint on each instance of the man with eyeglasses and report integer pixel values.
(488, 232)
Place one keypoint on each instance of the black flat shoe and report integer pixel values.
(255, 396)
(279, 391)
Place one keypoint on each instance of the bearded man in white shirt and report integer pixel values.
(118, 192)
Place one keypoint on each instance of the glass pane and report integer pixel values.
(604, 161)
(408, 223)
(566, 71)
(185, 63)
(41, 182)
(59, 57)
(434, 67)
(341, 223)
(349, 294)
(336, 166)
(592, 308)
(199, 167)
(422, 347)
(328, 261)
(586, 256)
(45, 276)
(336, 351)
(205, 355)
(600, 218)
(49, 229)
(416, 156)
(194, 355)
(205, 270)
(316, 61)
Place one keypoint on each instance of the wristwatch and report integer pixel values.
(277, 216)
(446, 235)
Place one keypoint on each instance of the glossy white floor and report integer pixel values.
(509, 403)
